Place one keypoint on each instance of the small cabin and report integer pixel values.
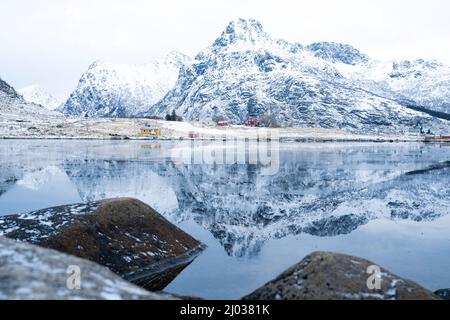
(150, 131)
(251, 122)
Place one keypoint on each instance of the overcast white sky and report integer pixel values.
(52, 42)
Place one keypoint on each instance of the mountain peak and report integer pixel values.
(177, 58)
(96, 64)
(242, 30)
(7, 89)
(244, 26)
(38, 95)
(122, 90)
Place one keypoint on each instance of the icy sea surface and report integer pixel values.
(389, 203)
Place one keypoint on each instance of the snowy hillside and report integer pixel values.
(336, 52)
(38, 95)
(12, 104)
(427, 83)
(119, 90)
(246, 73)
(19, 117)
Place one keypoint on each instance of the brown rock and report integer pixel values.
(125, 235)
(331, 276)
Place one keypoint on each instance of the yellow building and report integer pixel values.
(150, 131)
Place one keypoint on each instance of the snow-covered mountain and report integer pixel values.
(13, 104)
(424, 82)
(38, 95)
(119, 90)
(21, 117)
(336, 52)
(247, 73)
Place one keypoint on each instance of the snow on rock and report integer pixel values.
(333, 276)
(337, 52)
(105, 232)
(120, 90)
(30, 272)
(38, 95)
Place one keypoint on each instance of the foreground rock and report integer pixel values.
(125, 235)
(29, 272)
(443, 293)
(331, 276)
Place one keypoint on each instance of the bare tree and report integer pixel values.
(268, 121)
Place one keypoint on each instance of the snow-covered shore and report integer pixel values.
(129, 128)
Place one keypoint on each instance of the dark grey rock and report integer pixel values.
(29, 272)
(8, 90)
(443, 293)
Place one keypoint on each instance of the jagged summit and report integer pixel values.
(14, 109)
(122, 90)
(337, 52)
(38, 95)
(173, 57)
(8, 90)
(176, 58)
(415, 68)
(242, 31)
(96, 64)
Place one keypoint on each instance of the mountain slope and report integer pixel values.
(337, 52)
(425, 83)
(22, 118)
(13, 104)
(112, 90)
(38, 95)
(246, 73)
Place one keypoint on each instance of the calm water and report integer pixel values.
(389, 203)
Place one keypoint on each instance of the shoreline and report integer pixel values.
(130, 129)
(318, 139)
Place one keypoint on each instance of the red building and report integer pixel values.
(251, 122)
(223, 124)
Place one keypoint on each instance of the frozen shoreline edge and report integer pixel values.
(281, 139)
